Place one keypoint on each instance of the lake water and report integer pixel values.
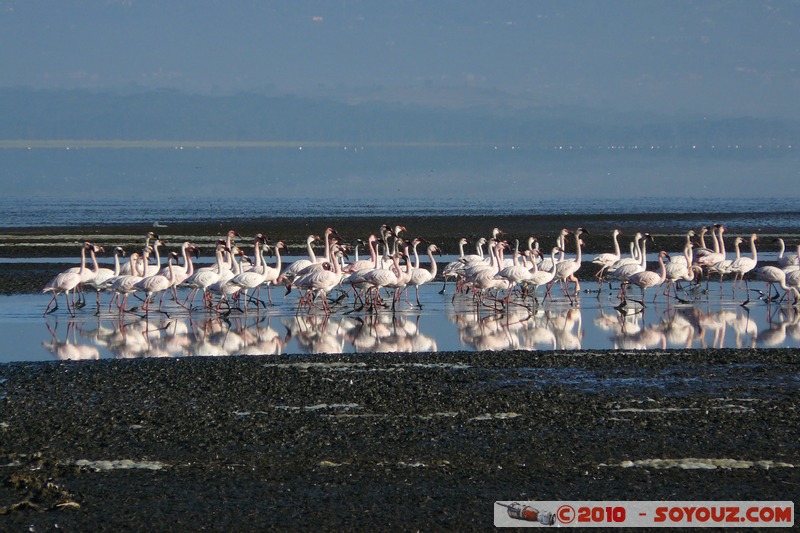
(748, 214)
(445, 322)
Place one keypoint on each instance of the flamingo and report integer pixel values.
(150, 270)
(788, 259)
(102, 275)
(293, 269)
(743, 265)
(221, 286)
(700, 252)
(542, 277)
(358, 278)
(361, 264)
(156, 283)
(514, 274)
(710, 259)
(628, 269)
(680, 270)
(65, 282)
(565, 270)
(421, 276)
(723, 268)
(646, 279)
(773, 275)
(548, 263)
(321, 282)
(607, 259)
(793, 281)
(123, 285)
(482, 278)
(380, 277)
(454, 267)
(203, 278)
(272, 273)
(251, 278)
(126, 268)
(679, 259)
(458, 268)
(625, 266)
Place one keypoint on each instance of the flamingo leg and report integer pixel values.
(47, 310)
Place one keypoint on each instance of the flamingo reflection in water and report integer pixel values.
(634, 334)
(69, 348)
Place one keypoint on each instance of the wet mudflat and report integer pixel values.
(366, 442)
(376, 441)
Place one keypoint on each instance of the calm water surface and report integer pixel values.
(746, 214)
(443, 324)
(712, 319)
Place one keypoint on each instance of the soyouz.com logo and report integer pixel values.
(644, 514)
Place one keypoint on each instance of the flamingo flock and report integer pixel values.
(499, 274)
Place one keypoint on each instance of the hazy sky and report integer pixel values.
(717, 56)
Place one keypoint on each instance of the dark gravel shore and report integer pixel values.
(387, 442)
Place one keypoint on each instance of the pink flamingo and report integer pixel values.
(65, 282)
(646, 279)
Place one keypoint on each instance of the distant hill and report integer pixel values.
(169, 115)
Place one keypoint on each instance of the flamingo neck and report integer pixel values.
(371, 243)
(83, 261)
(327, 246)
(259, 260)
(433, 268)
(663, 267)
(643, 251)
(278, 258)
(311, 255)
(95, 266)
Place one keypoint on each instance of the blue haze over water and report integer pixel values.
(43, 212)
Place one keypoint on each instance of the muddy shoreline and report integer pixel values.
(366, 442)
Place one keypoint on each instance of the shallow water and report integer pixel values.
(444, 323)
(748, 214)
